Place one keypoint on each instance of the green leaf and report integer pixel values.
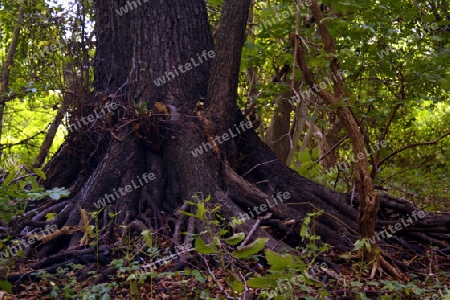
(235, 283)
(202, 248)
(304, 157)
(106, 297)
(304, 231)
(148, 237)
(215, 3)
(235, 239)
(6, 286)
(222, 232)
(279, 262)
(201, 211)
(34, 184)
(9, 179)
(198, 276)
(190, 202)
(356, 284)
(261, 282)
(40, 173)
(186, 213)
(249, 250)
(359, 244)
(50, 216)
(58, 193)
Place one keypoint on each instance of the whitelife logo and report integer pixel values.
(279, 17)
(262, 208)
(161, 262)
(244, 125)
(124, 9)
(327, 82)
(170, 75)
(398, 226)
(128, 189)
(14, 250)
(343, 166)
(92, 117)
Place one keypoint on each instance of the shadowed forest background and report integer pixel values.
(175, 150)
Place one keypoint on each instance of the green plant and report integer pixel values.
(98, 292)
(284, 268)
(288, 272)
(17, 189)
(130, 269)
(63, 283)
(216, 240)
(361, 247)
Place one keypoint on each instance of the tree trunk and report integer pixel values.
(300, 117)
(327, 143)
(4, 88)
(278, 134)
(370, 202)
(50, 136)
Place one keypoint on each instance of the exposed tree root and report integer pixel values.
(251, 181)
(392, 270)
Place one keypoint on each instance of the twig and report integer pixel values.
(215, 279)
(24, 141)
(258, 221)
(412, 146)
(353, 194)
(267, 162)
(334, 147)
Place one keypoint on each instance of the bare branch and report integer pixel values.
(412, 146)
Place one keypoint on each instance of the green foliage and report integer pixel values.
(283, 267)
(26, 118)
(278, 262)
(5, 286)
(98, 292)
(17, 189)
(215, 3)
(250, 249)
(394, 66)
(235, 239)
(202, 248)
(398, 75)
(38, 80)
(67, 287)
(148, 238)
(361, 247)
(291, 271)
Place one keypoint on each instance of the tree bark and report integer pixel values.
(301, 111)
(49, 137)
(278, 134)
(327, 141)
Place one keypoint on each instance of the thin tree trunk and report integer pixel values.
(8, 65)
(278, 134)
(301, 114)
(369, 203)
(306, 141)
(223, 98)
(49, 137)
(326, 142)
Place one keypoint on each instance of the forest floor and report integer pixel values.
(222, 276)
